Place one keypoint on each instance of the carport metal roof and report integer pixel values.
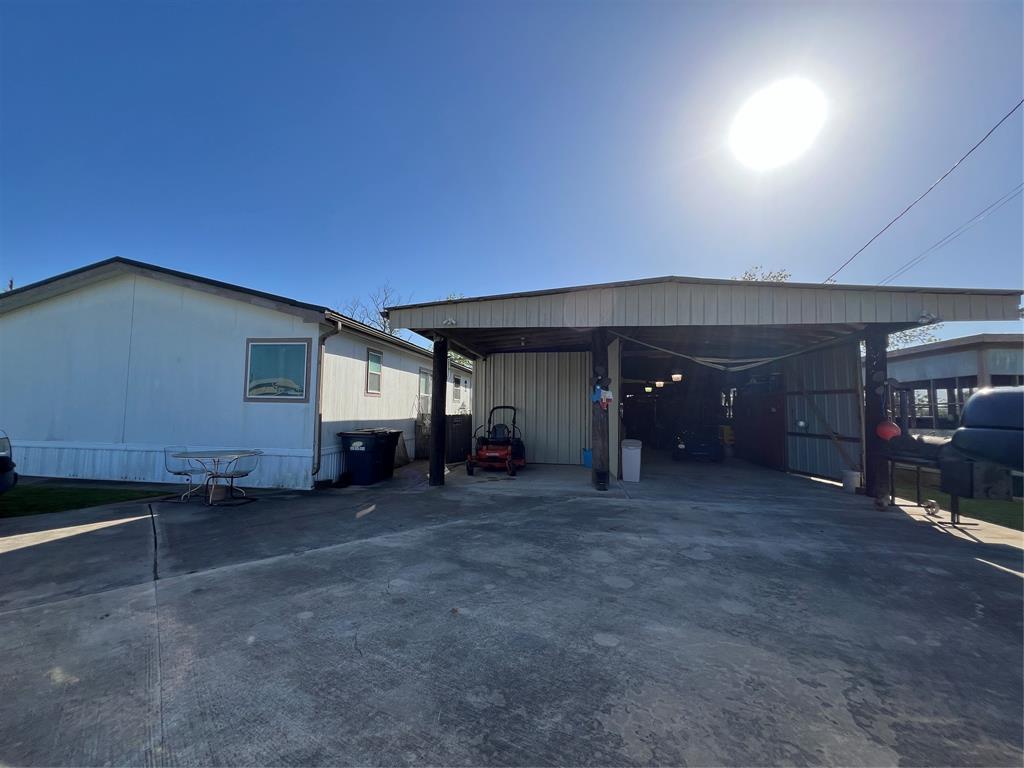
(724, 318)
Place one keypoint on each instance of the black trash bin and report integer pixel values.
(369, 454)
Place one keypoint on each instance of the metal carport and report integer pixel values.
(548, 348)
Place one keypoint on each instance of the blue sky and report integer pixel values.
(319, 149)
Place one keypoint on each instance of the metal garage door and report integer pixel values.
(823, 407)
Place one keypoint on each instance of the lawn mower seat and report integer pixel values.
(500, 433)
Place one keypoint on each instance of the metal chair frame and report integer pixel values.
(188, 470)
(231, 473)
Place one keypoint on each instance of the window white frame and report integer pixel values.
(371, 353)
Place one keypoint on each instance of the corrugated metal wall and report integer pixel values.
(823, 390)
(683, 302)
(550, 391)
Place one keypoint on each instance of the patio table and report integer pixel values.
(216, 459)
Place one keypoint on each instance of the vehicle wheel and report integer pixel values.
(469, 468)
(511, 469)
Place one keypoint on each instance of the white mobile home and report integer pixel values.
(102, 367)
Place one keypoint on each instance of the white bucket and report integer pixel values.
(631, 450)
(851, 480)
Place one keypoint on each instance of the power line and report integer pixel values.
(943, 242)
(878, 234)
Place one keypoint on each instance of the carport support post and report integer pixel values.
(438, 400)
(599, 415)
(876, 371)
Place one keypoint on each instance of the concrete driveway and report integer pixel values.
(710, 615)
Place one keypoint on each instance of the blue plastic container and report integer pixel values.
(587, 458)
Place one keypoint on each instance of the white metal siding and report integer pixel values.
(680, 303)
(347, 406)
(95, 382)
(550, 391)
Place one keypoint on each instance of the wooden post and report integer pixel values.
(599, 415)
(876, 467)
(438, 400)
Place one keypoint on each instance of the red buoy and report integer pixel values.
(888, 429)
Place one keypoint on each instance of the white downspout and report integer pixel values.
(318, 414)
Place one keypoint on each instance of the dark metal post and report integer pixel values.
(875, 373)
(438, 419)
(599, 415)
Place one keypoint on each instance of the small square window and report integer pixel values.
(425, 381)
(456, 388)
(374, 368)
(277, 370)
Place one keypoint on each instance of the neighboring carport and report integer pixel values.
(789, 352)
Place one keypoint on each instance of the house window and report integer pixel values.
(374, 366)
(456, 388)
(277, 370)
(425, 381)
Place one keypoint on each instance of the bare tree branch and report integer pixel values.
(368, 310)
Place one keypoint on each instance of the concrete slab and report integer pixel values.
(746, 618)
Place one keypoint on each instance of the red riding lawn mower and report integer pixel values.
(500, 447)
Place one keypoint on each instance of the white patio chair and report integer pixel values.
(235, 469)
(186, 468)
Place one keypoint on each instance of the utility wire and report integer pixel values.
(878, 234)
(943, 242)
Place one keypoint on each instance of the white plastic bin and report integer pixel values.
(631, 450)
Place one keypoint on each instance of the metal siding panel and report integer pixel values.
(607, 314)
(710, 305)
(697, 306)
(632, 305)
(520, 312)
(868, 308)
(545, 312)
(749, 306)
(779, 306)
(947, 306)
(569, 310)
(658, 304)
(619, 300)
(822, 307)
(979, 308)
(883, 308)
(764, 305)
(837, 306)
(853, 308)
(671, 304)
(644, 302)
(684, 304)
(794, 306)
(549, 388)
(723, 298)
(533, 311)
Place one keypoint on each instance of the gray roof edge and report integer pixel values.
(714, 281)
(975, 340)
(110, 265)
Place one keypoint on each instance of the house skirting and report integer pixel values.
(278, 467)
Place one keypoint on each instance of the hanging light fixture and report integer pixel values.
(677, 377)
(648, 389)
(659, 384)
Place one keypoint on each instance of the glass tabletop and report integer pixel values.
(217, 454)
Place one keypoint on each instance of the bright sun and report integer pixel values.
(777, 124)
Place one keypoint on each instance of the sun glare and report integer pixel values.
(777, 124)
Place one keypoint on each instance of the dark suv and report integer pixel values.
(698, 442)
